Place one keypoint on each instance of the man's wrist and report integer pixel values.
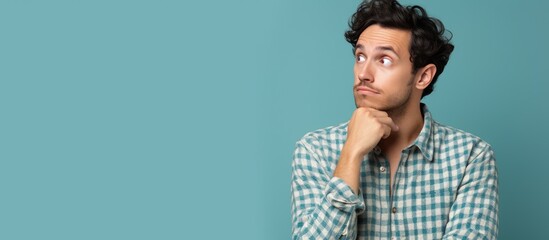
(351, 156)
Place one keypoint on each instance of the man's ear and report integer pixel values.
(425, 76)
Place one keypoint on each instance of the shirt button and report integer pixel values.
(382, 169)
(394, 210)
(377, 150)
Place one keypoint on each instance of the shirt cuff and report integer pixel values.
(342, 197)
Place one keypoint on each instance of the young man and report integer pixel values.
(392, 172)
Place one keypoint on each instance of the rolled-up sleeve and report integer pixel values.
(474, 214)
(323, 206)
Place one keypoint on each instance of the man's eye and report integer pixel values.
(360, 58)
(386, 61)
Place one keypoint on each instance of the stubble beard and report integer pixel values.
(395, 105)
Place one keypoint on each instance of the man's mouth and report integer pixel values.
(366, 90)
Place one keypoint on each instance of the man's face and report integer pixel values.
(383, 70)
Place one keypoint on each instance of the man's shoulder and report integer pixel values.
(447, 135)
(335, 133)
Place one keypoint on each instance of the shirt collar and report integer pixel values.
(425, 139)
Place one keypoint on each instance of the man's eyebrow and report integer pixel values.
(386, 48)
(379, 48)
(359, 47)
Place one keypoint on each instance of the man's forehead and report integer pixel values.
(375, 36)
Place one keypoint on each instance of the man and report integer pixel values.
(392, 172)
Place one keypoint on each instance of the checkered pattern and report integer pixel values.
(446, 187)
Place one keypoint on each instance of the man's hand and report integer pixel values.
(366, 128)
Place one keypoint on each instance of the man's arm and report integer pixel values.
(474, 214)
(366, 128)
(323, 207)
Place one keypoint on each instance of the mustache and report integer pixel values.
(364, 84)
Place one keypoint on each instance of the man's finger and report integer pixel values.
(389, 122)
(386, 131)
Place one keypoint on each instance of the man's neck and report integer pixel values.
(410, 122)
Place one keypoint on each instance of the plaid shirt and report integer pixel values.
(445, 187)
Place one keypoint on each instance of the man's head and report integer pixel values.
(400, 51)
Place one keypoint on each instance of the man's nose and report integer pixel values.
(365, 72)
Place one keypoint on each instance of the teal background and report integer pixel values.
(177, 119)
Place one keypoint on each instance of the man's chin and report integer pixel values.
(365, 104)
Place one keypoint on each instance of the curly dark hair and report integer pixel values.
(428, 44)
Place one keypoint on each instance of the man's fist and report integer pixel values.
(366, 128)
